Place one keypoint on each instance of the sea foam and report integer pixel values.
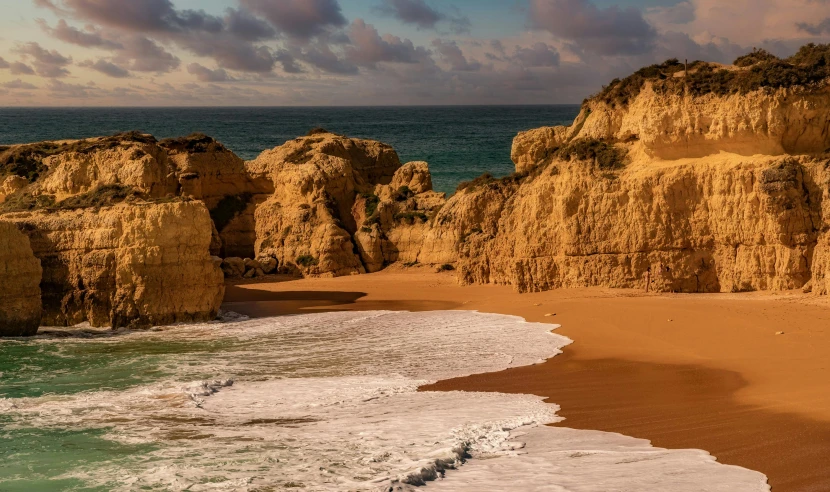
(330, 402)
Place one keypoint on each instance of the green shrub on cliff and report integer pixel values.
(757, 56)
(195, 143)
(604, 155)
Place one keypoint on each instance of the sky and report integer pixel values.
(369, 52)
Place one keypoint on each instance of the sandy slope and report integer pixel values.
(701, 371)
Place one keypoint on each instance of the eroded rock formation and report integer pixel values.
(126, 265)
(20, 273)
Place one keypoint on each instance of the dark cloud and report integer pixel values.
(3, 63)
(422, 15)
(205, 74)
(288, 62)
(608, 31)
(229, 40)
(299, 19)
(91, 38)
(538, 55)
(243, 25)
(141, 54)
(368, 48)
(231, 53)
(145, 15)
(105, 67)
(822, 27)
(18, 84)
(452, 54)
(47, 63)
(320, 56)
(20, 68)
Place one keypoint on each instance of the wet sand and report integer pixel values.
(685, 371)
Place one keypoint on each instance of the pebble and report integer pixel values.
(550, 314)
(779, 333)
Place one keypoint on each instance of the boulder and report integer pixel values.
(233, 267)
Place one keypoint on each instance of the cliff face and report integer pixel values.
(674, 192)
(768, 122)
(719, 224)
(127, 265)
(20, 273)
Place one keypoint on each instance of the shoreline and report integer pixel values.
(711, 378)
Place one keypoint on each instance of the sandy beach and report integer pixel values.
(707, 371)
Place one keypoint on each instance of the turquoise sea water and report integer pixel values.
(460, 143)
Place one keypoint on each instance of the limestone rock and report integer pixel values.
(532, 147)
(413, 176)
(233, 267)
(307, 223)
(269, 265)
(127, 265)
(20, 274)
(673, 126)
(10, 185)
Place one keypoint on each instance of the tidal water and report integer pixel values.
(317, 402)
(459, 143)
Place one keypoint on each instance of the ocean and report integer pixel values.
(459, 143)
(316, 402)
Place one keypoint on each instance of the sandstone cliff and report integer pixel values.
(337, 204)
(662, 184)
(20, 273)
(126, 265)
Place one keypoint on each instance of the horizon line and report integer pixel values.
(300, 107)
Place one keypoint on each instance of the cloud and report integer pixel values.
(229, 40)
(62, 90)
(538, 55)
(299, 19)
(205, 74)
(92, 38)
(3, 63)
(107, 68)
(288, 62)
(608, 31)
(322, 57)
(47, 63)
(822, 27)
(145, 16)
(681, 13)
(452, 54)
(18, 84)
(369, 48)
(141, 54)
(20, 68)
(420, 14)
(244, 25)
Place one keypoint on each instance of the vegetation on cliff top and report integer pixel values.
(27, 160)
(102, 196)
(195, 143)
(604, 155)
(756, 70)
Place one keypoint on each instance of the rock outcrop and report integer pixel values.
(20, 274)
(127, 265)
(337, 204)
(658, 185)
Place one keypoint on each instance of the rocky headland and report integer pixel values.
(679, 178)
